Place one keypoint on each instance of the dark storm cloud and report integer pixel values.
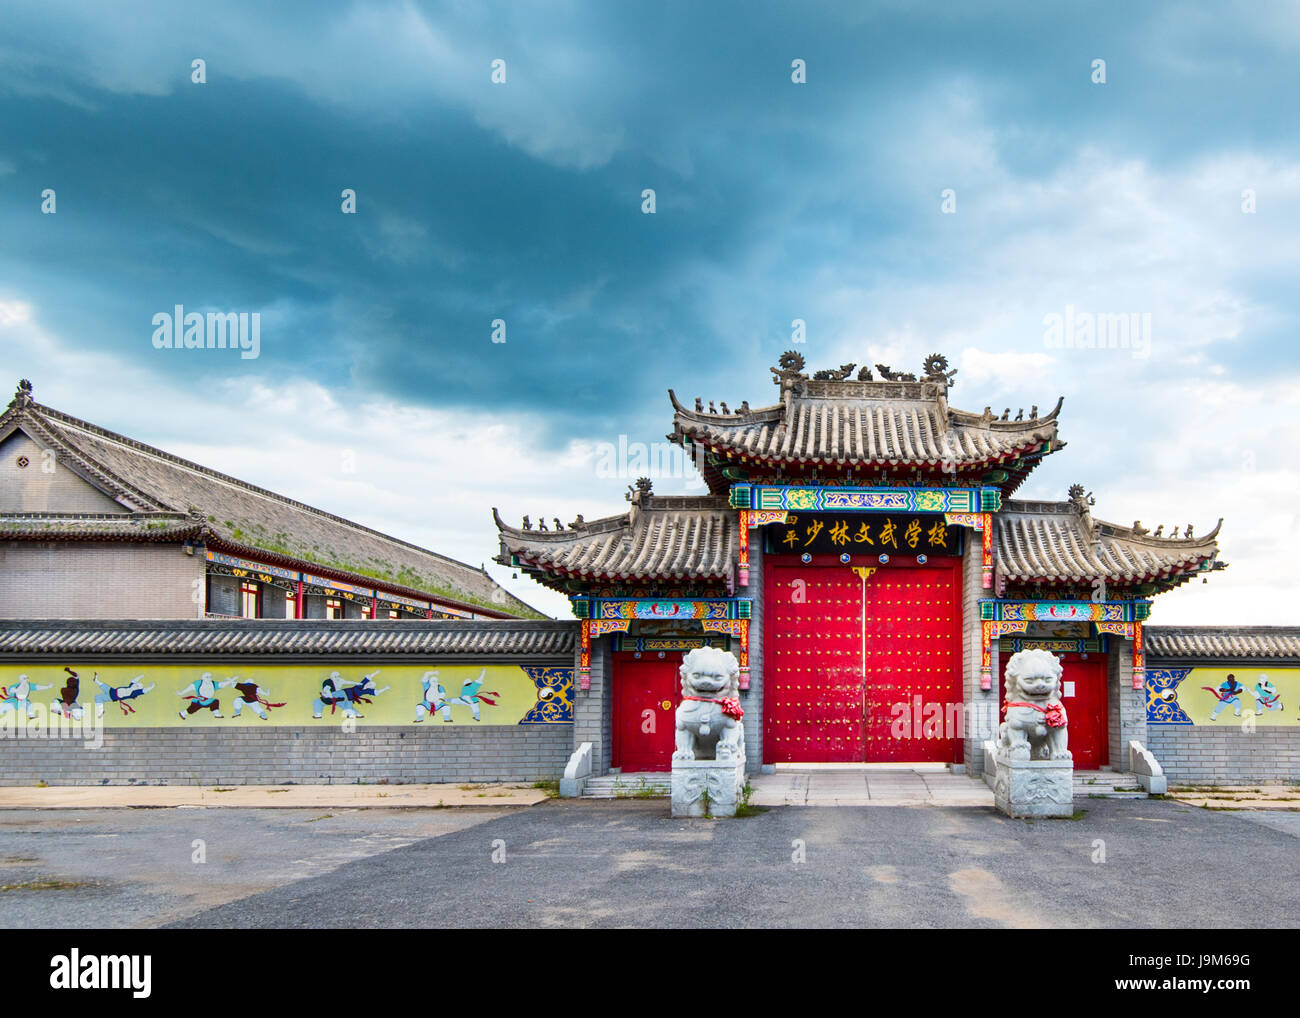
(522, 201)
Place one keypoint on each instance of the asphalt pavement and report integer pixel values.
(625, 863)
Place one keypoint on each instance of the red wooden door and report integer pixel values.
(862, 661)
(1084, 694)
(646, 693)
(913, 663)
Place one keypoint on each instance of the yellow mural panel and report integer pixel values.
(234, 694)
(1266, 697)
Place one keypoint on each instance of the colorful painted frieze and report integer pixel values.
(226, 694)
(1225, 696)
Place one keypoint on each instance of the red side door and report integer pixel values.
(646, 693)
(1083, 687)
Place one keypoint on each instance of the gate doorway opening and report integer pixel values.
(1084, 694)
(647, 690)
(862, 660)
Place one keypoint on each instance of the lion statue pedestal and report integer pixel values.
(1033, 769)
(709, 761)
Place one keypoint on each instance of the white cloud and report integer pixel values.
(425, 475)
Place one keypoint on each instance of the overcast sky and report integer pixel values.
(378, 393)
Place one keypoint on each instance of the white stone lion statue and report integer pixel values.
(708, 718)
(1035, 727)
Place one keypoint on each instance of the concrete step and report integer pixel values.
(1107, 786)
(628, 786)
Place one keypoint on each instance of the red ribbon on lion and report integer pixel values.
(730, 705)
(1055, 712)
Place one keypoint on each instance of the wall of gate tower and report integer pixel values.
(752, 701)
(978, 702)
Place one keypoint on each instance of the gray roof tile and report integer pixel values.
(243, 517)
(275, 637)
(1060, 542)
(1222, 643)
(665, 537)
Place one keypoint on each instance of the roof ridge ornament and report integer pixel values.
(834, 374)
(639, 494)
(1079, 499)
(1082, 504)
(23, 394)
(936, 370)
(790, 366)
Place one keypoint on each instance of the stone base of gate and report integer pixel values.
(1033, 788)
(707, 787)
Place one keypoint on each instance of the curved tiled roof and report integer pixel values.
(1059, 542)
(142, 526)
(865, 424)
(1223, 643)
(834, 422)
(238, 516)
(274, 637)
(663, 537)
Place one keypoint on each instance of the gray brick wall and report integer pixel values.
(1127, 719)
(36, 488)
(752, 700)
(1225, 755)
(276, 756)
(99, 580)
(978, 701)
(593, 709)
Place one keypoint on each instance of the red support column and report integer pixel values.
(986, 537)
(986, 654)
(1139, 658)
(744, 652)
(584, 661)
(298, 606)
(743, 579)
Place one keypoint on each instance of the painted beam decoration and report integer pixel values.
(1057, 645)
(221, 564)
(823, 533)
(991, 630)
(320, 586)
(642, 644)
(616, 615)
(815, 498)
(233, 694)
(1066, 611)
(749, 519)
(1118, 618)
(674, 609)
(1223, 697)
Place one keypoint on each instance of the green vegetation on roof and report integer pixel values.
(383, 571)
